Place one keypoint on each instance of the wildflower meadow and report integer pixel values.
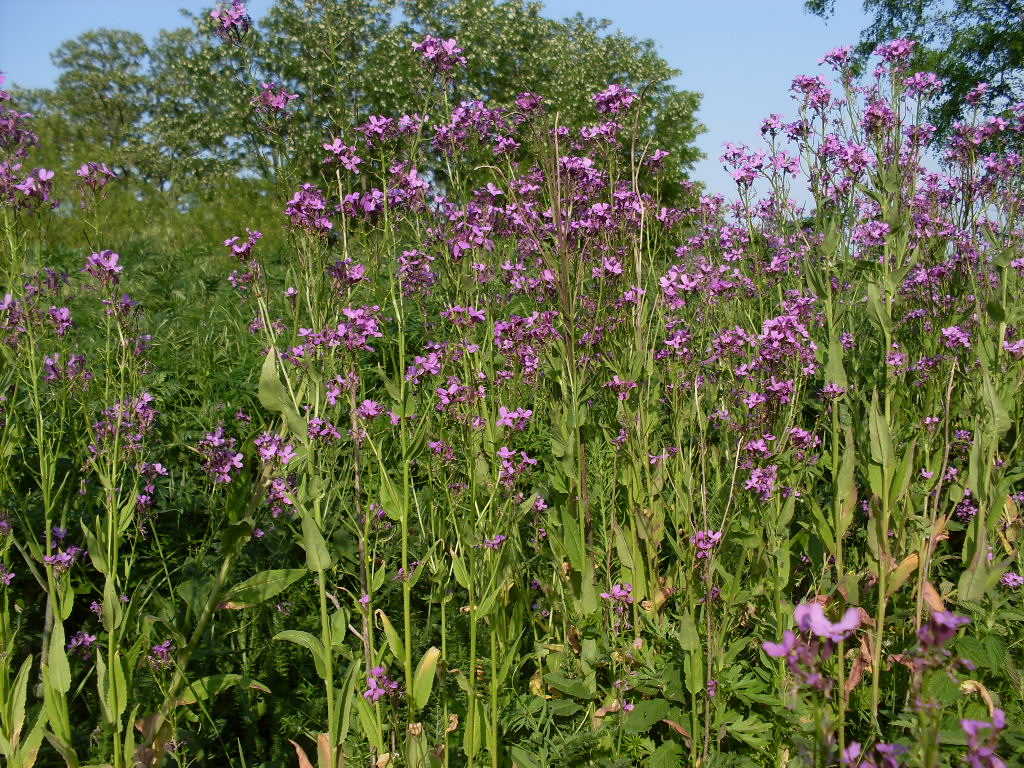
(494, 443)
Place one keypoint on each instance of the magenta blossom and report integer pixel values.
(442, 55)
(810, 617)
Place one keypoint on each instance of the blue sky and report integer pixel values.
(741, 54)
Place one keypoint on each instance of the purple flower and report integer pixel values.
(762, 481)
(810, 617)
(620, 386)
(955, 336)
(232, 21)
(80, 644)
(614, 100)
(160, 655)
(896, 52)
(837, 58)
(93, 179)
(982, 740)
(464, 316)
(343, 155)
(441, 55)
(780, 650)
(307, 210)
(379, 685)
(104, 267)
(495, 542)
(1012, 580)
(221, 458)
(517, 419)
(620, 593)
(704, 542)
(243, 249)
(63, 559)
(369, 409)
(940, 630)
(271, 447)
(816, 641)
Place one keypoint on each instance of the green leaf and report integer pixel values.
(834, 370)
(574, 687)
(204, 688)
(995, 310)
(58, 672)
(117, 695)
(667, 755)
(473, 735)
(687, 635)
(235, 535)
(368, 720)
(524, 759)
(751, 730)
(572, 539)
(260, 587)
(881, 440)
(394, 641)
(309, 642)
(459, 569)
(645, 714)
(95, 551)
(999, 418)
(274, 397)
(317, 556)
(564, 707)
(879, 315)
(19, 693)
(423, 680)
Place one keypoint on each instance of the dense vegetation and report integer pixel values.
(506, 446)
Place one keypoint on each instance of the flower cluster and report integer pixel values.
(307, 210)
(440, 55)
(233, 21)
(614, 100)
(220, 457)
(379, 685)
(343, 155)
(124, 425)
(704, 542)
(272, 101)
(816, 642)
(104, 268)
(160, 657)
(92, 182)
(621, 598)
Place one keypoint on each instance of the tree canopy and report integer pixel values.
(172, 114)
(965, 42)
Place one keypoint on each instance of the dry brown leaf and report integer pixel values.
(973, 686)
(301, 754)
(599, 715)
(453, 724)
(323, 748)
(573, 638)
(865, 618)
(680, 730)
(932, 598)
(860, 664)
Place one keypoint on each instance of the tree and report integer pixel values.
(178, 114)
(101, 94)
(965, 42)
(511, 48)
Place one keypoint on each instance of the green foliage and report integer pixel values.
(965, 42)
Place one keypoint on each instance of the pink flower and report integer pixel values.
(810, 617)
